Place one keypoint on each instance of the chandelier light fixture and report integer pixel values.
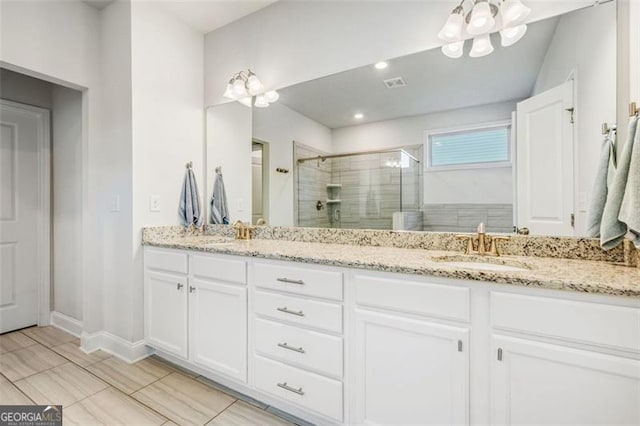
(480, 19)
(245, 85)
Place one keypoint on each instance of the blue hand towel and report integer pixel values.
(614, 219)
(604, 178)
(190, 212)
(218, 203)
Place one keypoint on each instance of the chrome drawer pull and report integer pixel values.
(288, 311)
(290, 389)
(291, 348)
(287, 280)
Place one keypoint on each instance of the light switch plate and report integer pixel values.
(154, 203)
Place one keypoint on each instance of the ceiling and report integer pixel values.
(202, 15)
(434, 83)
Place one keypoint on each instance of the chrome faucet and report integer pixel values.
(480, 241)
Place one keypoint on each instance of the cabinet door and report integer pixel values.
(409, 371)
(218, 325)
(165, 325)
(540, 383)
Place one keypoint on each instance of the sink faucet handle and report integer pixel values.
(495, 250)
(469, 239)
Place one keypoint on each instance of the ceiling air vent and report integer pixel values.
(394, 83)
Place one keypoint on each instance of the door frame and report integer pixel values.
(43, 222)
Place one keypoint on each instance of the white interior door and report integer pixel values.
(22, 212)
(544, 162)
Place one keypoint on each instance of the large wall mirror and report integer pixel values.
(429, 143)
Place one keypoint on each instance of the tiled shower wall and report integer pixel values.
(312, 178)
(466, 217)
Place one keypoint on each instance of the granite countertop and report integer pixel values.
(551, 273)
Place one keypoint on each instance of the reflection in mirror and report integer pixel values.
(510, 139)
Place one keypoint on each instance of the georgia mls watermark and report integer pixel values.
(30, 415)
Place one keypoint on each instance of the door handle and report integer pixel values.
(289, 311)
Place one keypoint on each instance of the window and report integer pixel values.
(480, 147)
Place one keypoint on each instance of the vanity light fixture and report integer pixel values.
(480, 18)
(381, 65)
(245, 85)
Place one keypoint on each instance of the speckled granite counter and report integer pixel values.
(585, 276)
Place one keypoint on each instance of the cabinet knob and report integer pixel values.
(191, 289)
(180, 286)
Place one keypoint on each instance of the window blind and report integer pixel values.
(469, 147)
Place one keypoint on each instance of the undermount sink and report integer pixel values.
(480, 263)
(214, 241)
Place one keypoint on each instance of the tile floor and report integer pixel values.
(44, 365)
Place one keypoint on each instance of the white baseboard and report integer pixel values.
(66, 323)
(116, 346)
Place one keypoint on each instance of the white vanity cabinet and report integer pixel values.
(409, 369)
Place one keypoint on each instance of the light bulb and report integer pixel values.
(358, 116)
(513, 12)
(453, 50)
(261, 102)
(510, 36)
(481, 18)
(246, 101)
(381, 65)
(239, 89)
(452, 30)
(272, 96)
(254, 84)
(481, 46)
(228, 93)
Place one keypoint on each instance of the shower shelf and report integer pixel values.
(334, 185)
(333, 201)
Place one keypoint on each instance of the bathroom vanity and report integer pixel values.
(346, 334)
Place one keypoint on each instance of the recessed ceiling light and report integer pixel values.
(381, 65)
(358, 116)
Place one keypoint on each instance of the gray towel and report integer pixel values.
(604, 178)
(218, 203)
(612, 229)
(630, 209)
(190, 201)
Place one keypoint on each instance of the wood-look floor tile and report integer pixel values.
(73, 353)
(25, 362)
(62, 385)
(13, 341)
(11, 395)
(49, 336)
(258, 404)
(110, 407)
(172, 366)
(183, 399)
(128, 377)
(243, 414)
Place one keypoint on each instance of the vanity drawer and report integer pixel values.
(414, 297)
(218, 268)
(300, 280)
(308, 390)
(316, 351)
(166, 260)
(298, 310)
(592, 323)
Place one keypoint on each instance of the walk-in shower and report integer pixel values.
(364, 190)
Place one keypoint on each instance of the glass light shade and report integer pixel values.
(452, 30)
(239, 89)
(228, 93)
(481, 18)
(481, 46)
(512, 35)
(254, 84)
(272, 96)
(453, 50)
(261, 102)
(246, 101)
(513, 12)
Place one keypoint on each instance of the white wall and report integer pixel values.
(585, 42)
(229, 146)
(67, 201)
(490, 185)
(290, 42)
(59, 41)
(279, 126)
(168, 123)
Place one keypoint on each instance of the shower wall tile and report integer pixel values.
(466, 217)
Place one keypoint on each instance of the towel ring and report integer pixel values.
(190, 165)
(219, 169)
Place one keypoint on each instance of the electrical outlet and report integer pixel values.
(154, 203)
